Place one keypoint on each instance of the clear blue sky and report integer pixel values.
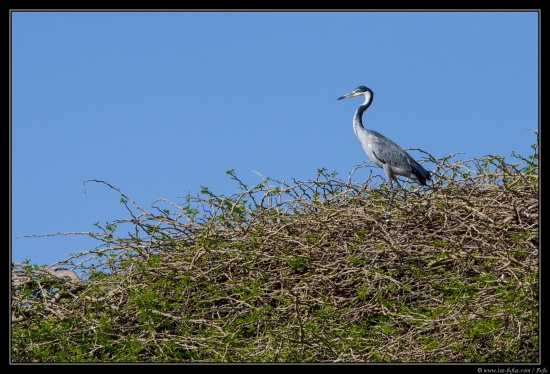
(160, 103)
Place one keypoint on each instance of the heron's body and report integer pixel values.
(383, 152)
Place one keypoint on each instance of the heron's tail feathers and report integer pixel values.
(422, 174)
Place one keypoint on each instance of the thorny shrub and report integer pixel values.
(308, 271)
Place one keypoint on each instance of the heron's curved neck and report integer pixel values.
(358, 118)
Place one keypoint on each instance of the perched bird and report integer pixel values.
(381, 150)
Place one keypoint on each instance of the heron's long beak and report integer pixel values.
(346, 96)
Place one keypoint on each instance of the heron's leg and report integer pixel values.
(404, 191)
(391, 198)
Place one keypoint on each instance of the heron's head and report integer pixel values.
(359, 91)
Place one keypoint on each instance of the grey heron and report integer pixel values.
(383, 152)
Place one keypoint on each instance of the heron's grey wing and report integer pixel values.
(390, 153)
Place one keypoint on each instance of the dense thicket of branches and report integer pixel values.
(308, 271)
